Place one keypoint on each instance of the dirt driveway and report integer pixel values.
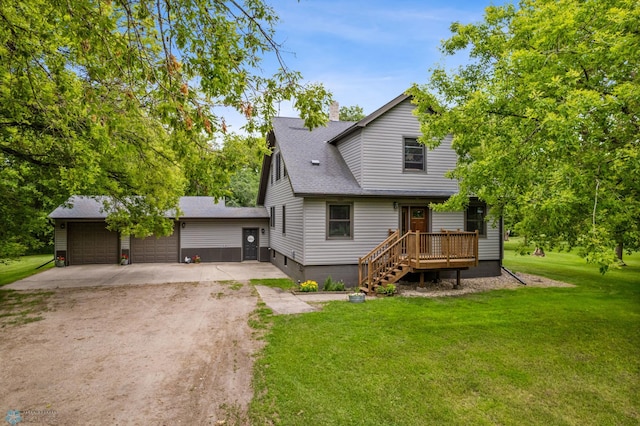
(177, 353)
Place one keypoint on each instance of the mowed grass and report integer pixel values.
(283, 283)
(25, 266)
(18, 307)
(536, 356)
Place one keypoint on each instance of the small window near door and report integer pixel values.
(475, 218)
(339, 221)
(414, 155)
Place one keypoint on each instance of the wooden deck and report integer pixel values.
(417, 252)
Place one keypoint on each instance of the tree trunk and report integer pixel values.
(619, 250)
(539, 252)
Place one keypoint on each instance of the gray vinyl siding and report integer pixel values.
(450, 221)
(289, 244)
(219, 233)
(372, 220)
(489, 247)
(351, 151)
(60, 238)
(383, 155)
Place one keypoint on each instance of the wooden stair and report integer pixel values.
(384, 264)
(416, 251)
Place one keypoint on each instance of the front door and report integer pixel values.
(415, 218)
(250, 244)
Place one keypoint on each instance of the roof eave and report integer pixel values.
(365, 194)
(264, 172)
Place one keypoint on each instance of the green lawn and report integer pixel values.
(18, 269)
(22, 307)
(528, 356)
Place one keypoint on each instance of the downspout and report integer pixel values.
(501, 239)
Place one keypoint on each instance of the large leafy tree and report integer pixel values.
(122, 98)
(545, 120)
(351, 113)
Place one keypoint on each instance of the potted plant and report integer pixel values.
(196, 259)
(124, 259)
(60, 261)
(357, 297)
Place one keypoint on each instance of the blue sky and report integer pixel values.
(367, 52)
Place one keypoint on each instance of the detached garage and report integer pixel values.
(155, 250)
(91, 242)
(211, 230)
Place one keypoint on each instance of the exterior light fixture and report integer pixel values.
(184, 224)
(395, 205)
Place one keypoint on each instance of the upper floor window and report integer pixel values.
(475, 218)
(272, 218)
(278, 167)
(414, 155)
(339, 221)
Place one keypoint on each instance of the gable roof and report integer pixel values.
(92, 207)
(332, 177)
(371, 117)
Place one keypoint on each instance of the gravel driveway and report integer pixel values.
(176, 353)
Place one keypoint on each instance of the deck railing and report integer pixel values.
(418, 251)
(445, 245)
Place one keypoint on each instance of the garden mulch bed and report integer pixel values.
(476, 285)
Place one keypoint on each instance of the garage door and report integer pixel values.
(155, 250)
(92, 243)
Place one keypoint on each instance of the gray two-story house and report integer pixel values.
(351, 200)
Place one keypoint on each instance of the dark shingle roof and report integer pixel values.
(83, 207)
(332, 177)
(206, 208)
(300, 147)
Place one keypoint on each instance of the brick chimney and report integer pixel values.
(334, 111)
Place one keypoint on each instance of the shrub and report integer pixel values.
(388, 290)
(331, 285)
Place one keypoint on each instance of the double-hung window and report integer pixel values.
(414, 155)
(475, 218)
(339, 221)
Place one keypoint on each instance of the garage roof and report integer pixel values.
(86, 207)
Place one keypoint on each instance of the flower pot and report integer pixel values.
(60, 263)
(356, 298)
(124, 261)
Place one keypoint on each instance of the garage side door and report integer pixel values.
(92, 243)
(155, 250)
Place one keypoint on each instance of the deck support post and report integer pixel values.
(457, 279)
(421, 279)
